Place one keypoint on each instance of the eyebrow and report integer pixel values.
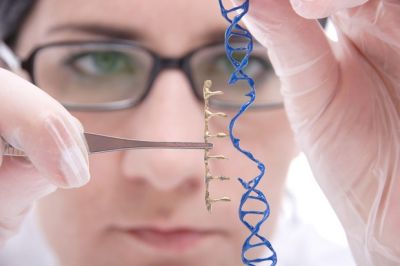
(98, 29)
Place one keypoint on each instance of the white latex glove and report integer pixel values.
(34, 122)
(343, 102)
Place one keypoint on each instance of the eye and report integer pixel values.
(102, 63)
(258, 66)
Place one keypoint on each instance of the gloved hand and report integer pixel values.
(57, 155)
(343, 102)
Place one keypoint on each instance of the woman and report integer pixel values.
(146, 207)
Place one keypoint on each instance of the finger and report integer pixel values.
(373, 30)
(40, 126)
(20, 185)
(301, 56)
(322, 8)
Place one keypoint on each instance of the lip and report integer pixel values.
(171, 240)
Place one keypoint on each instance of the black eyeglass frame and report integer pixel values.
(159, 64)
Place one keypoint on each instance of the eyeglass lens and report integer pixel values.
(105, 73)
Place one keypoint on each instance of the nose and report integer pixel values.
(170, 112)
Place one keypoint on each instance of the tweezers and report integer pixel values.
(101, 143)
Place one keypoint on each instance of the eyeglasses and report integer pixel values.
(115, 75)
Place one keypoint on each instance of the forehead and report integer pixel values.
(166, 25)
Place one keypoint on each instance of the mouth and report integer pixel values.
(173, 240)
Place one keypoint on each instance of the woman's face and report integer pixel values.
(146, 207)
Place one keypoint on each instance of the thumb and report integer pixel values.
(301, 56)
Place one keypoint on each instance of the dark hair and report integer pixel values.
(12, 16)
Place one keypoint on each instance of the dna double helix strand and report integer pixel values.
(238, 33)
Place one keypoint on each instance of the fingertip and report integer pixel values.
(71, 153)
(315, 9)
(74, 167)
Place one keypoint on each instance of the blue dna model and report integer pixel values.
(238, 33)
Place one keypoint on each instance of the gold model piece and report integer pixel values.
(207, 93)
